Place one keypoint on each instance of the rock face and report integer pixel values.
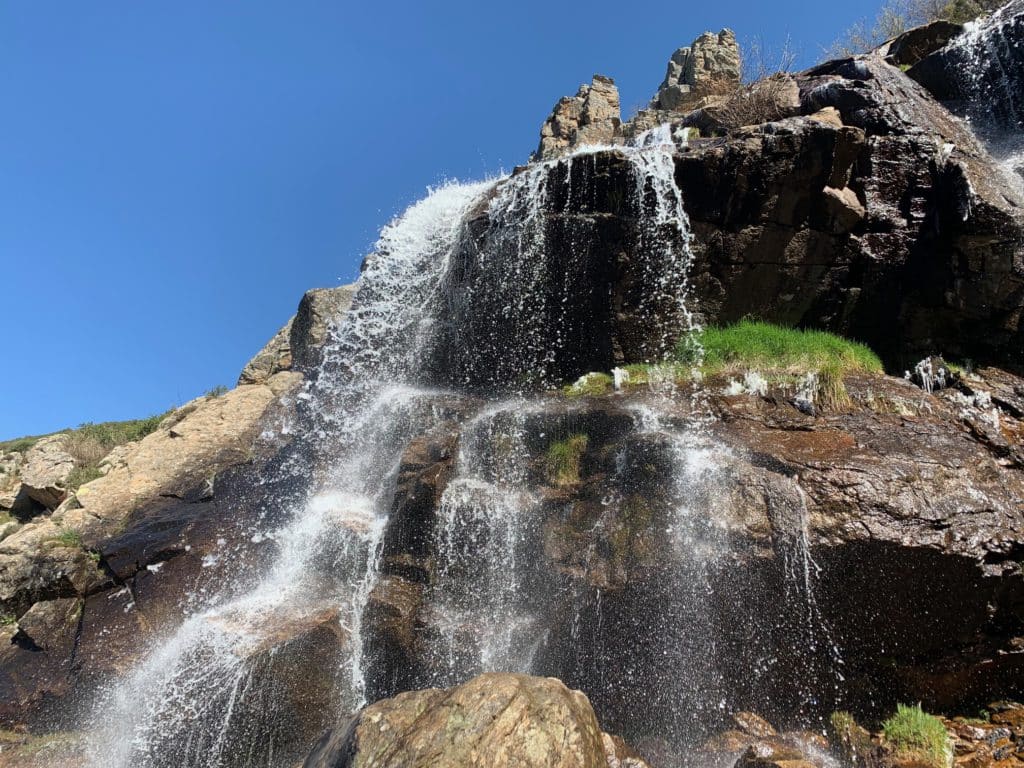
(298, 344)
(889, 224)
(902, 498)
(123, 551)
(592, 116)
(494, 720)
(982, 67)
(46, 469)
(709, 66)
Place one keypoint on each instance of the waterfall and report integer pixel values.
(207, 695)
(495, 290)
(987, 59)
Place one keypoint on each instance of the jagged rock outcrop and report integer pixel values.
(297, 345)
(889, 225)
(493, 721)
(709, 66)
(592, 116)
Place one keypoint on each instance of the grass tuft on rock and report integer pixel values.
(913, 733)
(590, 384)
(753, 345)
(563, 459)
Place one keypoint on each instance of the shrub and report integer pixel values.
(759, 102)
(897, 16)
(68, 538)
(749, 344)
(913, 733)
(81, 475)
(563, 459)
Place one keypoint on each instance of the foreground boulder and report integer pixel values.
(496, 720)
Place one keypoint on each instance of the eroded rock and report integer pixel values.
(495, 720)
(592, 116)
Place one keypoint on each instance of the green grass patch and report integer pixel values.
(67, 538)
(19, 444)
(749, 344)
(590, 384)
(563, 459)
(912, 732)
(81, 475)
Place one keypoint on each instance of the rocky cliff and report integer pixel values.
(401, 480)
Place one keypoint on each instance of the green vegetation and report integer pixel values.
(912, 732)
(563, 459)
(218, 391)
(90, 443)
(19, 444)
(8, 619)
(81, 475)
(830, 392)
(68, 538)
(590, 384)
(897, 16)
(766, 347)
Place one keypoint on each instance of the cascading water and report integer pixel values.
(204, 696)
(493, 290)
(989, 67)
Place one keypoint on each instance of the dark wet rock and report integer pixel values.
(983, 67)
(36, 657)
(887, 222)
(915, 44)
(898, 499)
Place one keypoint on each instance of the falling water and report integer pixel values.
(483, 610)
(989, 58)
(498, 289)
(206, 696)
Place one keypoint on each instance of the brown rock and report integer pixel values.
(592, 116)
(752, 724)
(496, 720)
(709, 65)
(46, 469)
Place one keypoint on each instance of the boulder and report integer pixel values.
(45, 471)
(495, 720)
(298, 345)
(276, 356)
(915, 44)
(319, 313)
(592, 116)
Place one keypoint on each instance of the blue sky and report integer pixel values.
(173, 175)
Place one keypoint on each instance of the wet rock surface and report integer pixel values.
(901, 499)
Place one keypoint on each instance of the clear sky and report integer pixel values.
(173, 175)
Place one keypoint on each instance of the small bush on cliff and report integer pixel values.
(913, 733)
(897, 16)
(563, 460)
(762, 346)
